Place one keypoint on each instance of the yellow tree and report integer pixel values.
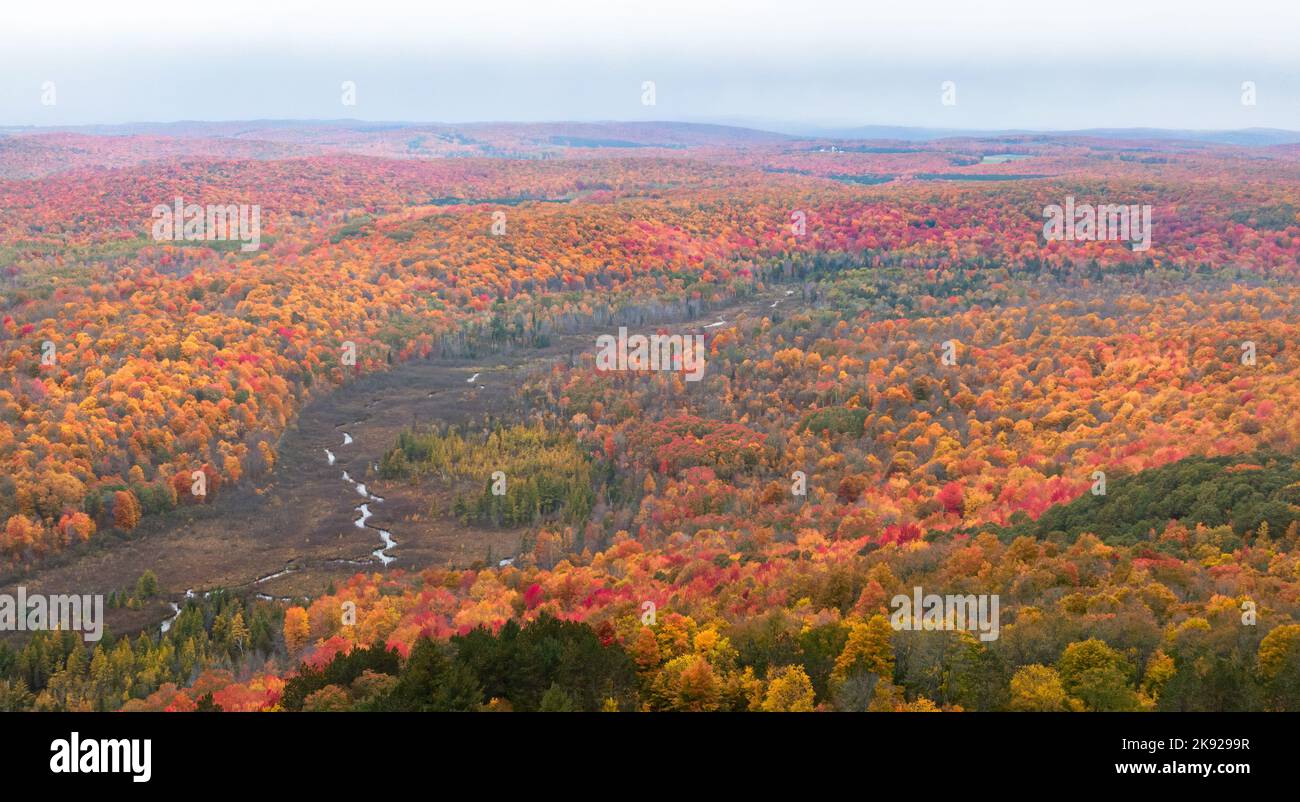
(868, 651)
(296, 629)
(788, 691)
(1038, 688)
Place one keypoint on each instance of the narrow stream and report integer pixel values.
(381, 554)
(176, 613)
(385, 536)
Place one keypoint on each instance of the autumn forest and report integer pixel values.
(380, 459)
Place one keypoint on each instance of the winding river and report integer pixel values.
(385, 536)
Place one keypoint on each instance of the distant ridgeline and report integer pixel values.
(1240, 496)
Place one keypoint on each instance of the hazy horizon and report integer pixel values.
(1011, 64)
(790, 128)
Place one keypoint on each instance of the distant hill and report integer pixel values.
(935, 154)
(1254, 137)
(649, 133)
(622, 134)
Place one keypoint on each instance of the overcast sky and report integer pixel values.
(1015, 64)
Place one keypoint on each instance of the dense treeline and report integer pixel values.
(523, 474)
(210, 637)
(547, 665)
(773, 663)
(1233, 497)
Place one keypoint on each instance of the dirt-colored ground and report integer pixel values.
(297, 526)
